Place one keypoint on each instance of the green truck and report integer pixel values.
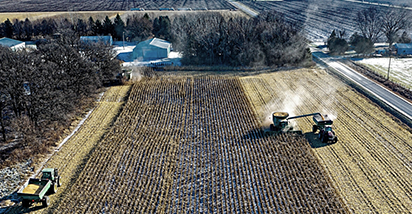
(36, 190)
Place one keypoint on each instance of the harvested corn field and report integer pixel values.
(371, 163)
(71, 157)
(195, 145)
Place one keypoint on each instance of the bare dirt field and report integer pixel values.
(109, 5)
(74, 15)
(32, 16)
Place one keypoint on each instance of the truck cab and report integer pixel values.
(51, 174)
(327, 134)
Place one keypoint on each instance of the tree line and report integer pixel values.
(41, 90)
(135, 28)
(372, 24)
(203, 39)
(211, 39)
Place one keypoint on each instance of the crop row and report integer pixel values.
(195, 145)
(370, 164)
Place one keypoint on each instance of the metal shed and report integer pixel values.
(403, 49)
(12, 44)
(152, 49)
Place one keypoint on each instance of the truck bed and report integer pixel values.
(33, 189)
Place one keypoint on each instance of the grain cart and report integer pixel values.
(281, 124)
(36, 189)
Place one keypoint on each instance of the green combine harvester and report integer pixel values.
(323, 123)
(36, 190)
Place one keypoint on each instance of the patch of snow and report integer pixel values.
(174, 59)
(11, 178)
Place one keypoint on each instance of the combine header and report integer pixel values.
(323, 123)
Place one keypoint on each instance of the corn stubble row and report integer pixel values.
(195, 145)
(371, 163)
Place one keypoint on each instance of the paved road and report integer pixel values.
(396, 102)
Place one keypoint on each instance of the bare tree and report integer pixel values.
(369, 23)
(267, 40)
(394, 21)
(3, 104)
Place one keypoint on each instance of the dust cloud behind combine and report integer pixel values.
(293, 100)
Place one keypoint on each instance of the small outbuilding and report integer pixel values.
(403, 49)
(107, 40)
(13, 44)
(152, 49)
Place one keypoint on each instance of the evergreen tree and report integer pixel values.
(8, 29)
(97, 28)
(90, 25)
(81, 27)
(138, 28)
(18, 30)
(337, 45)
(156, 27)
(28, 29)
(162, 27)
(119, 27)
(108, 27)
(166, 25)
(361, 44)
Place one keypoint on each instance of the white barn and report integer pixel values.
(13, 44)
(152, 49)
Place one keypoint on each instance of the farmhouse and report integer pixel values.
(107, 40)
(12, 44)
(403, 49)
(152, 49)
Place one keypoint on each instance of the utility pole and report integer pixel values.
(389, 67)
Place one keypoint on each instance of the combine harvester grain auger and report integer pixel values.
(323, 123)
